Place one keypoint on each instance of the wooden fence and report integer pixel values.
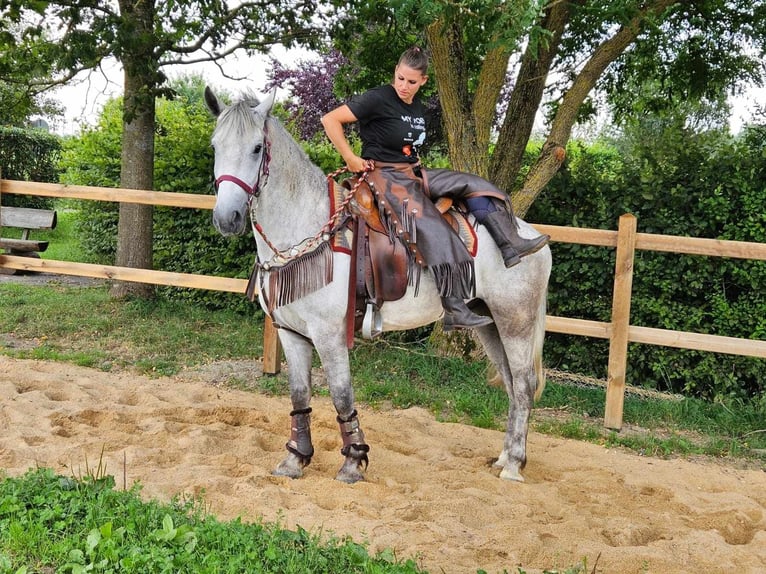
(619, 331)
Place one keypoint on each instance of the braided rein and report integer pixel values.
(325, 232)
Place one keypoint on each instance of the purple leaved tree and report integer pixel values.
(310, 84)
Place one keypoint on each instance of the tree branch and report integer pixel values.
(552, 155)
(526, 97)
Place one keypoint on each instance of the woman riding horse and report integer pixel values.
(392, 127)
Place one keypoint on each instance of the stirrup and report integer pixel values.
(372, 325)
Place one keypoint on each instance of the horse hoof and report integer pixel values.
(349, 477)
(514, 475)
(350, 472)
(288, 472)
(289, 468)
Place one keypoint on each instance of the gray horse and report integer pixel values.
(264, 178)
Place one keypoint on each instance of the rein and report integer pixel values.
(324, 233)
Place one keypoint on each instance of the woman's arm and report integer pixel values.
(333, 123)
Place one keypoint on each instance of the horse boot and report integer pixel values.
(354, 450)
(300, 435)
(457, 315)
(503, 229)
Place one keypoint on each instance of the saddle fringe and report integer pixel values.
(409, 227)
(300, 277)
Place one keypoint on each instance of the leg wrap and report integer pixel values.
(353, 436)
(300, 435)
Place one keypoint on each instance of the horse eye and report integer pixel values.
(257, 149)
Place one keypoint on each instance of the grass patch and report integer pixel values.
(56, 523)
(656, 425)
(86, 327)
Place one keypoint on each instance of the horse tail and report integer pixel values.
(539, 338)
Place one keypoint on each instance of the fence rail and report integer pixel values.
(619, 332)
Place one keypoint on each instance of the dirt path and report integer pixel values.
(430, 491)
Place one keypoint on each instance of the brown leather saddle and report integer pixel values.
(380, 267)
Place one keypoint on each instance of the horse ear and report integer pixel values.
(264, 108)
(212, 102)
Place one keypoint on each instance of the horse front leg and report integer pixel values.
(354, 450)
(298, 352)
(334, 356)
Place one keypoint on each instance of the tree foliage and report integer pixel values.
(48, 43)
(310, 82)
(184, 239)
(638, 55)
(18, 105)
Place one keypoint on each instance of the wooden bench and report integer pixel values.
(27, 219)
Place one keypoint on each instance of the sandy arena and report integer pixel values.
(430, 492)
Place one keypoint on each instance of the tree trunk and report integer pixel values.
(553, 152)
(449, 68)
(135, 227)
(525, 100)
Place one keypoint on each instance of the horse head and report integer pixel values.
(241, 158)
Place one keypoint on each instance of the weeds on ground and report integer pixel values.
(84, 525)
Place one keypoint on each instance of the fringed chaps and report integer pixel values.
(411, 217)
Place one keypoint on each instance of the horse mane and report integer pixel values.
(302, 200)
(238, 117)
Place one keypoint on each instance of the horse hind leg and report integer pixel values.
(354, 450)
(520, 384)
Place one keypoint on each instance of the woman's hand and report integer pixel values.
(356, 164)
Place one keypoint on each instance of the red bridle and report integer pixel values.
(253, 191)
(263, 172)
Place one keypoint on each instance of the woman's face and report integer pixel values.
(407, 82)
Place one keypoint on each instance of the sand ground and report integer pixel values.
(430, 492)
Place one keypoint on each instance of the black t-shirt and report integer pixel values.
(391, 130)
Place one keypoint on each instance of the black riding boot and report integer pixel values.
(505, 233)
(457, 315)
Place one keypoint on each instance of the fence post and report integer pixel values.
(1, 200)
(272, 350)
(618, 339)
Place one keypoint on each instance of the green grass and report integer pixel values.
(56, 523)
(85, 326)
(60, 245)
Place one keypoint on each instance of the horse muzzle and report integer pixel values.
(230, 221)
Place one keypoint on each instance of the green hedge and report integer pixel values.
(676, 183)
(184, 239)
(28, 155)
